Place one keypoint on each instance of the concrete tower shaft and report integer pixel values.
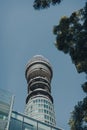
(38, 75)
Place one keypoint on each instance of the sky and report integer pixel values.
(25, 32)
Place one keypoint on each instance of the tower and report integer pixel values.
(39, 102)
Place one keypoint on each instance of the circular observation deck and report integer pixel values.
(38, 93)
(38, 66)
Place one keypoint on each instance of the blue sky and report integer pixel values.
(25, 32)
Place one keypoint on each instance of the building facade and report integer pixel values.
(12, 120)
(21, 122)
(39, 101)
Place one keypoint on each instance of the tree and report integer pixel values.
(71, 38)
(42, 4)
(78, 120)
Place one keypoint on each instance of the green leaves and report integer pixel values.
(84, 87)
(43, 4)
(71, 38)
(78, 120)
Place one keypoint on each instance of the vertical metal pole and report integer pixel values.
(37, 125)
(10, 111)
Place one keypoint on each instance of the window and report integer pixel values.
(28, 127)
(39, 110)
(42, 105)
(18, 117)
(41, 100)
(50, 118)
(33, 101)
(15, 125)
(45, 106)
(47, 112)
(44, 111)
(46, 102)
(46, 117)
(39, 105)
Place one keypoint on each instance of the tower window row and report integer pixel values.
(32, 107)
(41, 111)
(44, 117)
(49, 118)
(41, 100)
(46, 112)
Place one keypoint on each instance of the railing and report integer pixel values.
(22, 122)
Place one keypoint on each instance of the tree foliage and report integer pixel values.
(42, 4)
(78, 120)
(84, 87)
(71, 38)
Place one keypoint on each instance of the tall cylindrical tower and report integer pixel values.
(39, 102)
